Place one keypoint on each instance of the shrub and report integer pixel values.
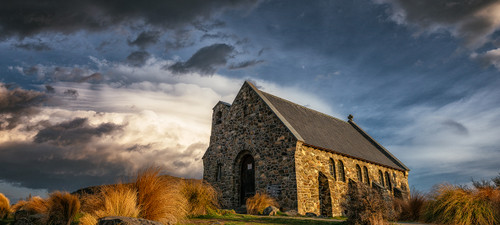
(62, 208)
(115, 200)
(159, 198)
(411, 209)
(257, 203)
(202, 198)
(365, 205)
(463, 206)
(4, 206)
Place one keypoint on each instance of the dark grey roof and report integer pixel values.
(324, 131)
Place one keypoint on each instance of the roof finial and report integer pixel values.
(350, 117)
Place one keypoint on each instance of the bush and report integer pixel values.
(159, 198)
(202, 198)
(410, 210)
(62, 208)
(4, 206)
(257, 203)
(115, 200)
(464, 206)
(366, 206)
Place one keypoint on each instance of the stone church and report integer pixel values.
(303, 158)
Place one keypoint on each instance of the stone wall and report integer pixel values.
(249, 126)
(309, 161)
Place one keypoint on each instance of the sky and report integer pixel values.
(92, 91)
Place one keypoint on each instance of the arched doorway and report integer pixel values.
(247, 178)
(325, 199)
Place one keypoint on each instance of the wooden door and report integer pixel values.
(247, 179)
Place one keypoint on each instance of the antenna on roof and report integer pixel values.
(350, 117)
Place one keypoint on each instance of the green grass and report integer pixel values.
(275, 220)
(6, 221)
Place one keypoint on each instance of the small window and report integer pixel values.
(341, 171)
(388, 181)
(358, 172)
(367, 175)
(404, 187)
(218, 173)
(218, 117)
(381, 178)
(332, 169)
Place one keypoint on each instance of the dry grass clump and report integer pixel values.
(411, 210)
(4, 206)
(257, 203)
(464, 206)
(62, 208)
(202, 198)
(116, 200)
(159, 198)
(366, 206)
(32, 205)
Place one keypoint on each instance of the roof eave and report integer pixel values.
(378, 145)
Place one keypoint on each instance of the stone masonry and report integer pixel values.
(285, 167)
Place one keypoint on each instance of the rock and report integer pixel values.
(292, 212)
(270, 211)
(121, 220)
(310, 214)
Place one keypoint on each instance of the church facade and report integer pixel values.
(303, 158)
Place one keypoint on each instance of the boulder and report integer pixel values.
(121, 220)
(270, 211)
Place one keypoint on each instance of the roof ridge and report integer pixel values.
(313, 110)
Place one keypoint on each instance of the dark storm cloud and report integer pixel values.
(95, 77)
(30, 17)
(138, 58)
(32, 46)
(459, 15)
(206, 26)
(179, 39)
(17, 104)
(58, 168)
(245, 64)
(77, 131)
(71, 167)
(16, 99)
(456, 127)
(146, 38)
(71, 93)
(205, 61)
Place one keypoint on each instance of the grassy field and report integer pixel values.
(240, 219)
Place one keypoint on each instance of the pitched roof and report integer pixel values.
(324, 131)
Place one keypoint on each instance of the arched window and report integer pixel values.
(341, 171)
(358, 172)
(388, 181)
(381, 178)
(218, 173)
(332, 169)
(218, 117)
(367, 175)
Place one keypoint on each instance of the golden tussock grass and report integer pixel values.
(33, 205)
(62, 208)
(464, 206)
(411, 209)
(257, 203)
(113, 200)
(4, 206)
(202, 198)
(159, 198)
